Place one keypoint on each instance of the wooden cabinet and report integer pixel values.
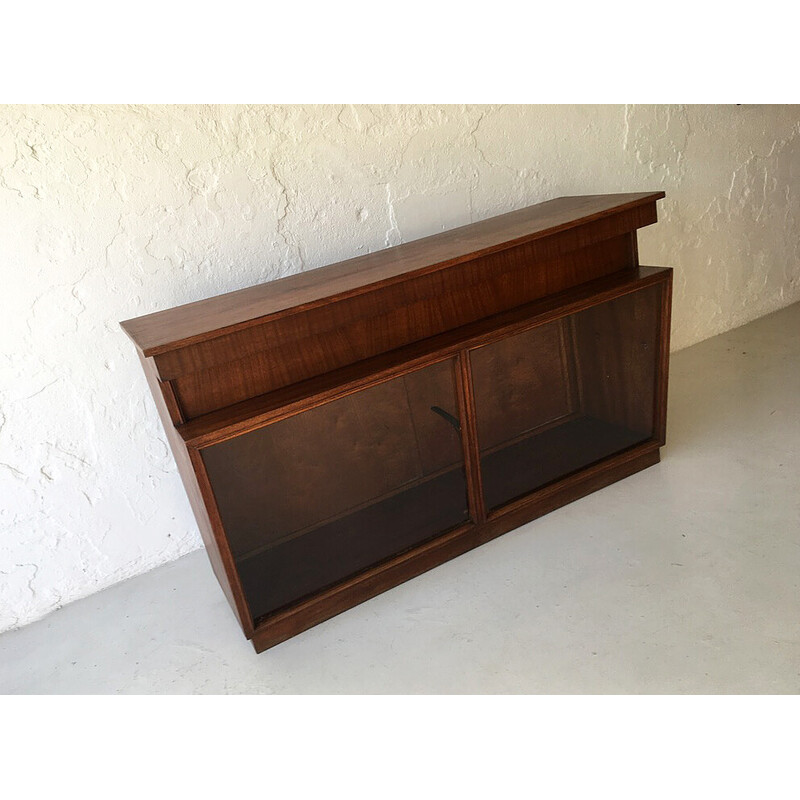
(343, 430)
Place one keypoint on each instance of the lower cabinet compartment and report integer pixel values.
(298, 567)
(563, 395)
(314, 498)
(328, 495)
(539, 459)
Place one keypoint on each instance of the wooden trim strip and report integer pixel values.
(662, 365)
(469, 437)
(171, 400)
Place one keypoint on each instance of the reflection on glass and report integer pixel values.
(561, 396)
(314, 498)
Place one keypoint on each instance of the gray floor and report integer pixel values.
(681, 579)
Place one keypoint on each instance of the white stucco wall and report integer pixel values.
(111, 212)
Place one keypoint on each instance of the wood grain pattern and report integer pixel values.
(320, 340)
(343, 430)
(466, 405)
(165, 330)
(247, 415)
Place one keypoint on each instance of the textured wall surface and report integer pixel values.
(112, 212)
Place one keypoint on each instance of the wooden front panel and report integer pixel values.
(218, 373)
(559, 226)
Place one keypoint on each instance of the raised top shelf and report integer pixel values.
(178, 327)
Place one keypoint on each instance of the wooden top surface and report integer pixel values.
(177, 327)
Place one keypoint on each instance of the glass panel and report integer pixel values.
(314, 498)
(561, 396)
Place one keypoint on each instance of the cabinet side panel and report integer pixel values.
(662, 372)
(217, 555)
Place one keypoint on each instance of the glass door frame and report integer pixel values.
(249, 415)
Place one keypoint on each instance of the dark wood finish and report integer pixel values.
(207, 319)
(221, 351)
(466, 406)
(322, 339)
(272, 406)
(333, 427)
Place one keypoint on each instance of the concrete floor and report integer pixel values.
(681, 579)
